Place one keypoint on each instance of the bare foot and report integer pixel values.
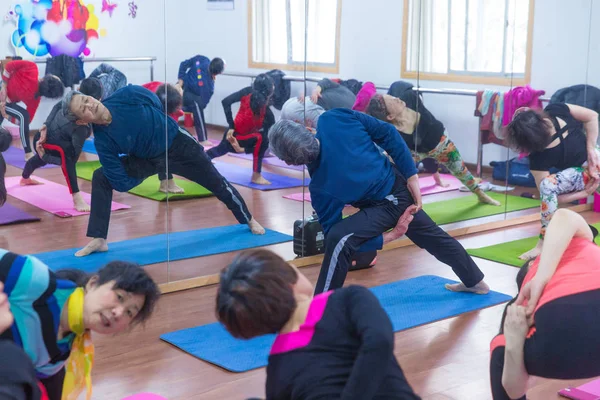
(438, 180)
(480, 288)
(533, 253)
(173, 188)
(29, 181)
(79, 203)
(255, 227)
(258, 179)
(164, 187)
(484, 198)
(28, 156)
(97, 245)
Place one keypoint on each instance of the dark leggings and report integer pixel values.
(565, 345)
(54, 385)
(256, 143)
(192, 103)
(67, 165)
(23, 120)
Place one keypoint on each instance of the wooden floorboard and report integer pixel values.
(443, 360)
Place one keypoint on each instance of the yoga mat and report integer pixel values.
(89, 147)
(153, 249)
(50, 196)
(149, 187)
(242, 176)
(12, 215)
(246, 156)
(469, 207)
(427, 185)
(268, 160)
(16, 157)
(409, 303)
(509, 252)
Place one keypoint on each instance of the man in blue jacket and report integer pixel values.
(129, 135)
(346, 167)
(197, 79)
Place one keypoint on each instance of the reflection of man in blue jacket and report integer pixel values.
(349, 169)
(129, 134)
(197, 79)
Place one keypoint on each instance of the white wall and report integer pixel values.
(371, 38)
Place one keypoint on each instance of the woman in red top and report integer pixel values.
(22, 83)
(551, 328)
(250, 129)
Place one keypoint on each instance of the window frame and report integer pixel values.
(469, 76)
(296, 66)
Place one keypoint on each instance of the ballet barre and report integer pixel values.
(455, 92)
(112, 59)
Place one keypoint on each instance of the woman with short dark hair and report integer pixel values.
(338, 344)
(561, 137)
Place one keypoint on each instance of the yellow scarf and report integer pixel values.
(79, 365)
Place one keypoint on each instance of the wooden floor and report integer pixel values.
(443, 360)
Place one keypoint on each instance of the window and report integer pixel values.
(277, 34)
(476, 41)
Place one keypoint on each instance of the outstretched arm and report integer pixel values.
(590, 123)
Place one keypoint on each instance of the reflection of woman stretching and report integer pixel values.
(425, 136)
(556, 138)
(335, 345)
(551, 328)
(249, 131)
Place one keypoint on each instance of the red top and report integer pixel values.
(245, 120)
(153, 87)
(22, 80)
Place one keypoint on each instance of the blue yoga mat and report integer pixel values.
(153, 249)
(409, 303)
(89, 147)
(242, 176)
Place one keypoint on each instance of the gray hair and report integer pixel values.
(293, 143)
(66, 105)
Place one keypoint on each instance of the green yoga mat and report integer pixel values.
(469, 207)
(509, 252)
(148, 188)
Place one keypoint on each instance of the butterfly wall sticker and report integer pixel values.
(107, 6)
(132, 9)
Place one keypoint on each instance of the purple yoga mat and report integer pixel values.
(242, 176)
(16, 157)
(12, 215)
(272, 160)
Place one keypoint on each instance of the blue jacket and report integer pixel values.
(350, 167)
(197, 79)
(137, 129)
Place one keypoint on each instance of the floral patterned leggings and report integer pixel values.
(447, 154)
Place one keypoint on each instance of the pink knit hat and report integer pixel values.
(364, 96)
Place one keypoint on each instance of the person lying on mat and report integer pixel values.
(132, 122)
(562, 137)
(55, 313)
(18, 378)
(352, 171)
(22, 84)
(5, 141)
(60, 142)
(335, 345)
(424, 135)
(551, 328)
(171, 97)
(248, 132)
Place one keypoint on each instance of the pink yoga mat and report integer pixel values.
(145, 396)
(592, 387)
(50, 196)
(427, 185)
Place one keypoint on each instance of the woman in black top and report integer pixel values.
(338, 344)
(424, 135)
(561, 137)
